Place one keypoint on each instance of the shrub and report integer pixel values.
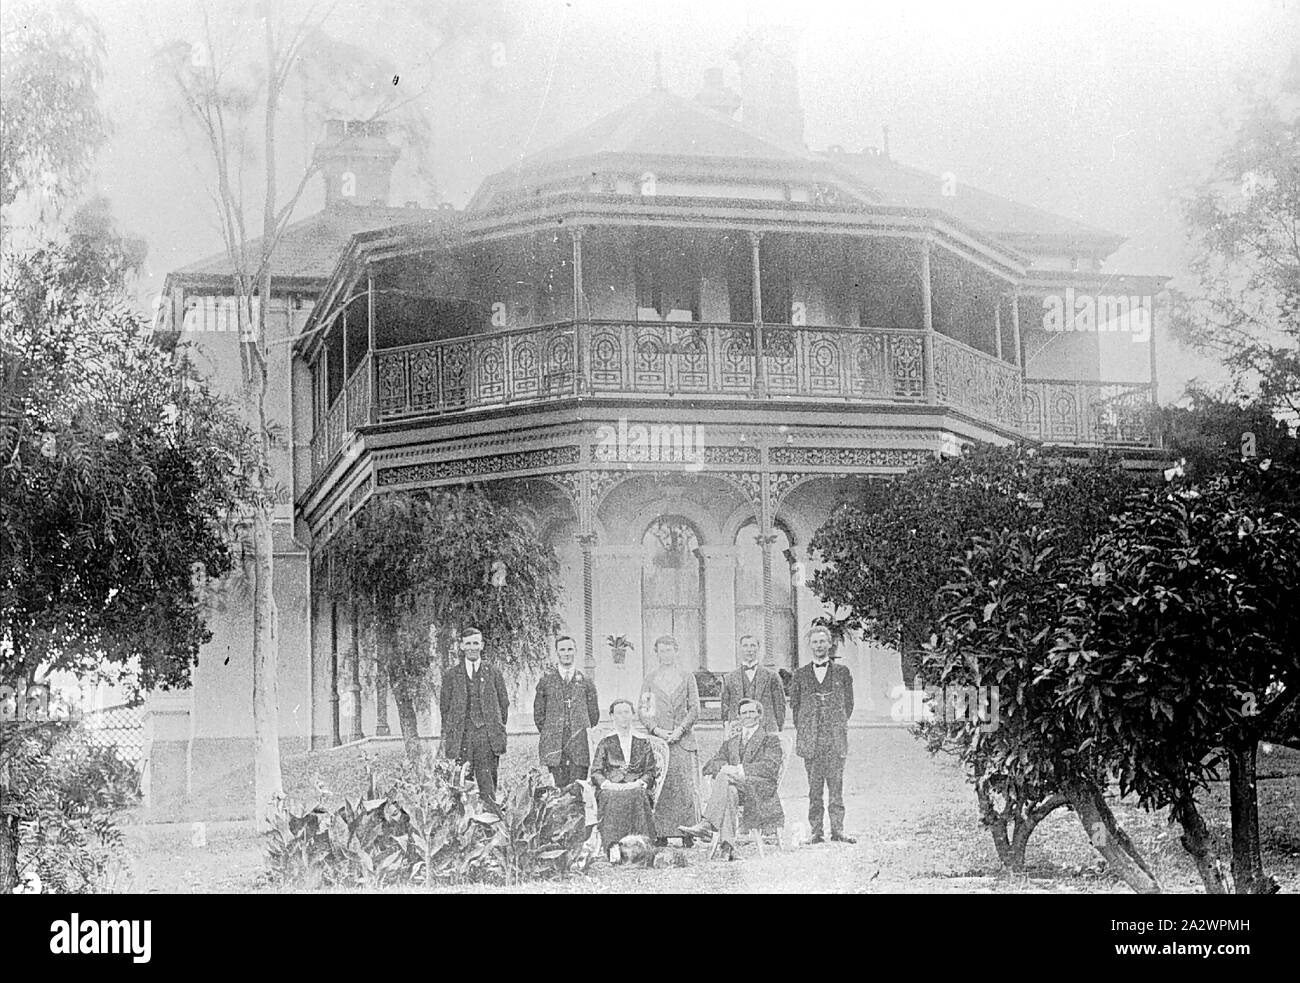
(63, 793)
(431, 829)
(542, 831)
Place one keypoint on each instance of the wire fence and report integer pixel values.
(120, 727)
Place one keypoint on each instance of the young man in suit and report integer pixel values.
(474, 705)
(821, 702)
(564, 706)
(745, 772)
(753, 681)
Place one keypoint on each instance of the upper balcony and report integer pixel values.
(662, 315)
(702, 363)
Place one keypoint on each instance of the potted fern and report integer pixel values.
(618, 647)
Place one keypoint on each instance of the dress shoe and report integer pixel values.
(841, 838)
(816, 838)
(701, 831)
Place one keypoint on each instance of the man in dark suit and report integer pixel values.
(745, 772)
(474, 705)
(821, 702)
(752, 681)
(564, 706)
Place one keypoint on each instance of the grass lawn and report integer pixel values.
(914, 817)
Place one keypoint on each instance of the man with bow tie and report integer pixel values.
(821, 702)
(564, 706)
(753, 681)
(474, 705)
(744, 772)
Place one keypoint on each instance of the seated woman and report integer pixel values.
(624, 772)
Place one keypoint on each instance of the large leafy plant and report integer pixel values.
(431, 829)
(542, 832)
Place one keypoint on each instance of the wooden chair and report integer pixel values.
(754, 833)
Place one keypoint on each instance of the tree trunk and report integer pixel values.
(406, 716)
(267, 781)
(1109, 840)
(8, 854)
(1025, 826)
(1247, 863)
(1197, 841)
(997, 827)
(909, 657)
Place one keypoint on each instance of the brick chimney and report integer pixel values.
(356, 160)
(769, 82)
(715, 95)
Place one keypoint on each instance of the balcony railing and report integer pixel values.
(648, 358)
(1068, 412)
(350, 410)
(977, 382)
(720, 361)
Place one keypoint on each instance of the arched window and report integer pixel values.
(749, 593)
(672, 590)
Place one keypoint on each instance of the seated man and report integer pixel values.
(624, 771)
(745, 771)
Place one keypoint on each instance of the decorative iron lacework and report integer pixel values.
(749, 483)
(732, 455)
(490, 465)
(850, 457)
(602, 482)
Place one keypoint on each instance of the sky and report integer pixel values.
(1103, 112)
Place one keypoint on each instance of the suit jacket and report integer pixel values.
(761, 758)
(609, 766)
(549, 712)
(768, 690)
(453, 707)
(837, 707)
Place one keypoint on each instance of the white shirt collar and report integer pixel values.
(626, 745)
(472, 667)
(745, 735)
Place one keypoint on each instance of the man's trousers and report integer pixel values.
(825, 769)
(477, 750)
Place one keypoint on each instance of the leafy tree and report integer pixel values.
(1003, 610)
(1242, 226)
(888, 554)
(1182, 650)
(121, 474)
(1213, 435)
(422, 565)
(51, 64)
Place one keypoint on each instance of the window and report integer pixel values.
(749, 593)
(672, 591)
